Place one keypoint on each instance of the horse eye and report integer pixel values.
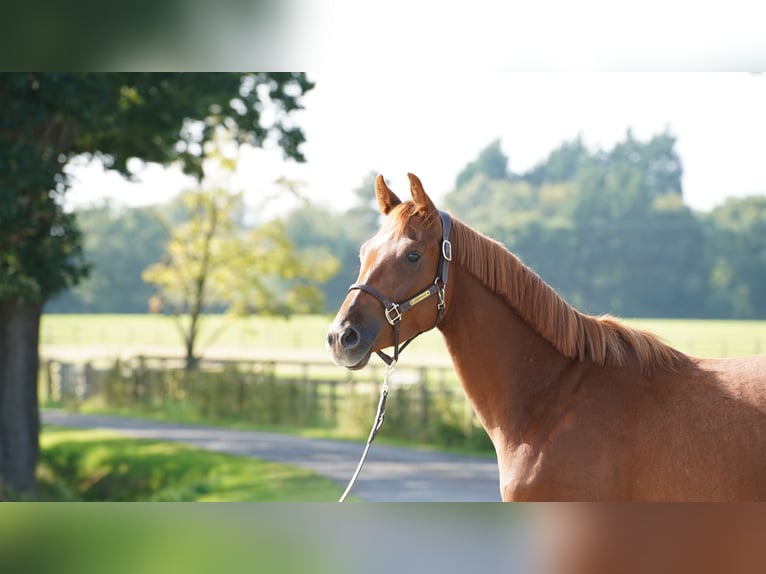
(413, 257)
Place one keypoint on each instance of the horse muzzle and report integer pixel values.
(349, 345)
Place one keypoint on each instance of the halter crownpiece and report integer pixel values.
(394, 311)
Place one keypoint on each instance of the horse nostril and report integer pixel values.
(349, 338)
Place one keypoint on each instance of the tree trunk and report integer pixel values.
(19, 415)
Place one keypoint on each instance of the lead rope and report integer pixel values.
(377, 423)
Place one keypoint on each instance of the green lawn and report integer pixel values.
(709, 337)
(97, 465)
(304, 332)
(304, 335)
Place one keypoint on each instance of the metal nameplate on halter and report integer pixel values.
(397, 314)
(447, 250)
(418, 298)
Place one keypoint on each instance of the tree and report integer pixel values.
(362, 218)
(49, 118)
(608, 229)
(119, 243)
(212, 263)
(638, 248)
(562, 164)
(737, 236)
(324, 232)
(625, 182)
(491, 162)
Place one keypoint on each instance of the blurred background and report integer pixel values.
(173, 245)
(183, 239)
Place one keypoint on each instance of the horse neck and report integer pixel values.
(509, 372)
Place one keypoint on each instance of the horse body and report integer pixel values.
(577, 407)
(565, 429)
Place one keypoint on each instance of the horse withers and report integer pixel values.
(578, 408)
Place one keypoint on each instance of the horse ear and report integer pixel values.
(423, 202)
(387, 199)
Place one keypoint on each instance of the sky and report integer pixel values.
(432, 122)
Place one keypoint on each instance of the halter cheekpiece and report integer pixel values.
(394, 311)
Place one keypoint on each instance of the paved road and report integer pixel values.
(391, 474)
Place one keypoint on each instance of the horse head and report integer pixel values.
(401, 270)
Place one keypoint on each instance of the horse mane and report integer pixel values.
(603, 340)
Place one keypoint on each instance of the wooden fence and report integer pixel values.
(425, 404)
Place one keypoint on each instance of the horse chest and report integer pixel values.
(532, 474)
(522, 472)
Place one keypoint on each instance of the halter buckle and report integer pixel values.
(394, 308)
(447, 250)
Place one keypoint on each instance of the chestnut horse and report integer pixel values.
(577, 407)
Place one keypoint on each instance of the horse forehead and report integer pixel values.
(411, 228)
(389, 236)
(380, 244)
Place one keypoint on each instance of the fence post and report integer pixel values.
(49, 380)
(313, 408)
(241, 382)
(67, 383)
(422, 383)
(89, 386)
(333, 403)
(138, 379)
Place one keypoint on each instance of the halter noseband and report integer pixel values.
(394, 311)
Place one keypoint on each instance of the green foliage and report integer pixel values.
(610, 231)
(322, 232)
(254, 396)
(198, 251)
(119, 243)
(49, 118)
(212, 262)
(608, 228)
(492, 163)
(40, 245)
(260, 395)
(624, 183)
(100, 466)
(737, 257)
(562, 164)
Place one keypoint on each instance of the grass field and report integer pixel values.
(304, 332)
(304, 336)
(709, 337)
(96, 465)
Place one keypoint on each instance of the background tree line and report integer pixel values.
(607, 228)
(610, 231)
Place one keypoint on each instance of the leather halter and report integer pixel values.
(394, 311)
